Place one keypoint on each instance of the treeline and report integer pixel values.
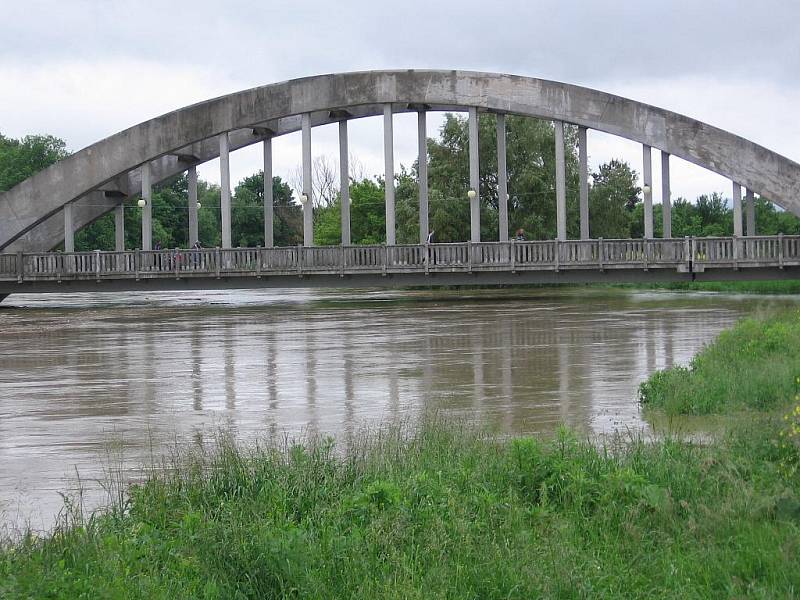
(615, 201)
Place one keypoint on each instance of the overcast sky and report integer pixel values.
(83, 70)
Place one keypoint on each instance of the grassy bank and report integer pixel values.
(752, 366)
(782, 286)
(445, 511)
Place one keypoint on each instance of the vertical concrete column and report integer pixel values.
(583, 169)
(269, 200)
(194, 229)
(308, 191)
(561, 183)
(344, 181)
(502, 178)
(737, 209)
(225, 189)
(666, 200)
(647, 189)
(422, 174)
(69, 229)
(474, 178)
(751, 212)
(388, 157)
(119, 228)
(147, 209)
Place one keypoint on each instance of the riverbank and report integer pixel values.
(447, 511)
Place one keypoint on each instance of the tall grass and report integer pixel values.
(443, 512)
(752, 366)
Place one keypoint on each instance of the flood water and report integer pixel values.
(139, 372)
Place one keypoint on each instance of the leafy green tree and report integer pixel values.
(19, 159)
(247, 213)
(613, 197)
(531, 178)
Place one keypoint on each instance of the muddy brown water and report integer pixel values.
(138, 372)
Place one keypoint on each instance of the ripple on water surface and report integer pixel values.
(145, 369)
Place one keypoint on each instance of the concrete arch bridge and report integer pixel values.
(46, 209)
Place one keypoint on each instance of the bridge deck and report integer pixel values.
(573, 260)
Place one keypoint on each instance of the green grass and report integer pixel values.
(752, 366)
(783, 286)
(445, 513)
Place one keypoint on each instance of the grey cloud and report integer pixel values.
(583, 42)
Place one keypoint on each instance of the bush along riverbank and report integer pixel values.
(445, 511)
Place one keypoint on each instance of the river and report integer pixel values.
(96, 381)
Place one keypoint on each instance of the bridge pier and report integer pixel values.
(666, 200)
(307, 199)
(225, 189)
(583, 173)
(269, 210)
(561, 184)
(194, 234)
(737, 210)
(69, 229)
(647, 190)
(474, 177)
(119, 228)
(422, 174)
(388, 158)
(502, 177)
(147, 209)
(344, 182)
(750, 212)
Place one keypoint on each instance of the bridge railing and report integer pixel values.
(681, 254)
(780, 250)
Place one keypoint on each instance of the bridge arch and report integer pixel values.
(169, 144)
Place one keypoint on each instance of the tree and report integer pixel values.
(531, 178)
(247, 209)
(19, 159)
(613, 197)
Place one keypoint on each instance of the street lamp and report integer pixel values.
(471, 194)
(304, 198)
(646, 188)
(141, 203)
(199, 206)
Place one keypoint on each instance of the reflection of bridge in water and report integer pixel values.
(398, 265)
(46, 209)
(147, 371)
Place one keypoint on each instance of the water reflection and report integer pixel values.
(149, 369)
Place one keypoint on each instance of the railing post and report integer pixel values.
(558, 255)
(175, 263)
(512, 249)
(385, 259)
(427, 258)
(97, 264)
(341, 260)
(258, 262)
(299, 260)
(645, 248)
(137, 263)
(217, 261)
(780, 250)
(469, 256)
(735, 250)
(600, 253)
(20, 267)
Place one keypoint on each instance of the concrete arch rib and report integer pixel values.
(41, 196)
